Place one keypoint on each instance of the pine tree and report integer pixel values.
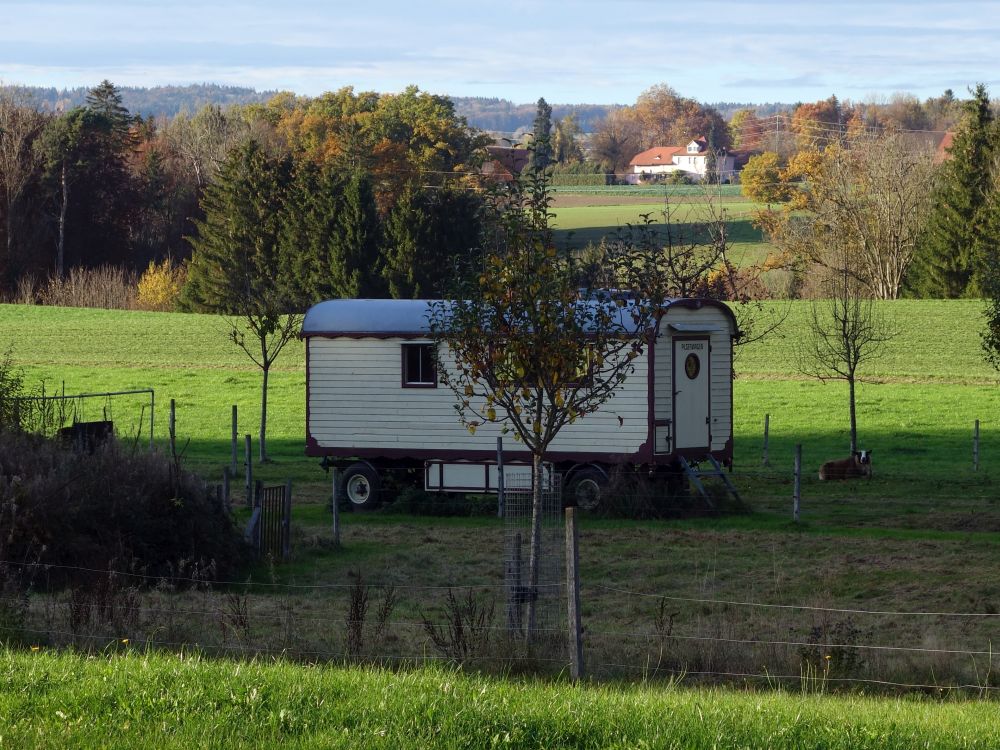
(541, 144)
(308, 231)
(405, 233)
(426, 232)
(236, 269)
(235, 256)
(355, 263)
(988, 252)
(945, 264)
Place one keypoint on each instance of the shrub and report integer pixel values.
(106, 287)
(160, 285)
(113, 508)
(11, 392)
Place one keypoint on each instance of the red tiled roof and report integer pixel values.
(655, 156)
(944, 147)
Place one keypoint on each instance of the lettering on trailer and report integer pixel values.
(692, 346)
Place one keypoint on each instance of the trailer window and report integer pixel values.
(418, 366)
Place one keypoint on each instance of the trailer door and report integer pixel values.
(692, 407)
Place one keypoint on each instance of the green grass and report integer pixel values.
(614, 192)
(135, 700)
(576, 226)
(930, 386)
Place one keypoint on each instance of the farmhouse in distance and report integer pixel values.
(692, 160)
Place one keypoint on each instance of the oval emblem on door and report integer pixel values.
(692, 366)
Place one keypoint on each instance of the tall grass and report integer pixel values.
(137, 700)
(105, 287)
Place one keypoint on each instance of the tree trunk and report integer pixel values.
(263, 417)
(535, 545)
(60, 252)
(854, 418)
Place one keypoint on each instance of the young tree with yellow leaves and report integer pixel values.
(531, 349)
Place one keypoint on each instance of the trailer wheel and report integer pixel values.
(362, 487)
(586, 488)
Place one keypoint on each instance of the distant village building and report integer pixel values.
(505, 163)
(692, 159)
(943, 152)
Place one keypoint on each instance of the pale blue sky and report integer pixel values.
(591, 51)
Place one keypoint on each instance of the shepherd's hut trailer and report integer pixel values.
(374, 403)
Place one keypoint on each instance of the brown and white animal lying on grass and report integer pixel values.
(858, 465)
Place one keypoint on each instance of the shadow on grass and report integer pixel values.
(739, 230)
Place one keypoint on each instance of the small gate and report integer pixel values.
(270, 525)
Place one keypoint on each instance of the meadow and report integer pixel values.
(138, 700)
(917, 406)
(582, 218)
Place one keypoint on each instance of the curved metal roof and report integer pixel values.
(410, 317)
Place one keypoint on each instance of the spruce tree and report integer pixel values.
(308, 232)
(988, 252)
(355, 263)
(945, 264)
(541, 144)
(426, 232)
(235, 256)
(404, 237)
(235, 268)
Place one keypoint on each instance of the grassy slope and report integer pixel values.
(580, 222)
(932, 384)
(135, 701)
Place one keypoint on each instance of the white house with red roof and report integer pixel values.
(692, 159)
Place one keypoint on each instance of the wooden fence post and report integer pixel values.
(500, 486)
(767, 431)
(232, 461)
(797, 492)
(975, 447)
(249, 471)
(573, 595)
(173, 429)
(335, 505)
(286, 523)
(514, 591)
(226, 484)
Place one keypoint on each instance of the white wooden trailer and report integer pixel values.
(373, 402)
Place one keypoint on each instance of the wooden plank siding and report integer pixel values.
(356, 400)
(719, 327)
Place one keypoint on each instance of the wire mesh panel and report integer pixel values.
(536, 607)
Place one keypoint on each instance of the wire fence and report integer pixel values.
(629, 632)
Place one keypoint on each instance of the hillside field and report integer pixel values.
(916, 414)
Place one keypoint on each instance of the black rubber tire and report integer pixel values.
(361, 487)
(586, 488)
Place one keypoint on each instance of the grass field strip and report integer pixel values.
(296, 620)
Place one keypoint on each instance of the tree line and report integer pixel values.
(95, 185)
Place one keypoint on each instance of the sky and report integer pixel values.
(590, 51)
